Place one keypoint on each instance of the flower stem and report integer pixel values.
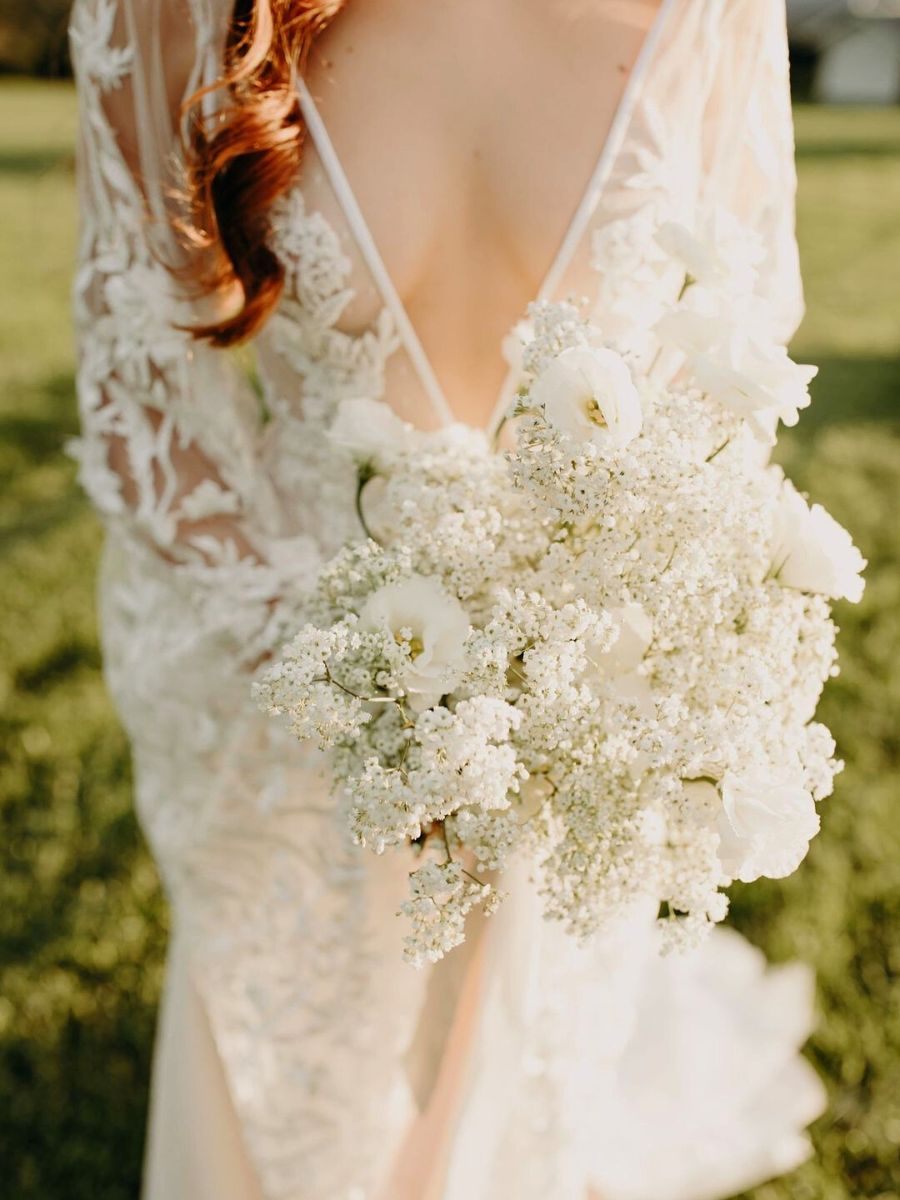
(495, 441)
(474, 878)
(329, 678)
(451, 859)
(446, 838)
(361, 481)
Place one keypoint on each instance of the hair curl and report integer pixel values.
(246, 157)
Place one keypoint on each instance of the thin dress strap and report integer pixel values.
(594, 190)
(370, 252)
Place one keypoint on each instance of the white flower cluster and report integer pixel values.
(602, 650)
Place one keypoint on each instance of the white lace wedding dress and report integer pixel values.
(298, 1058)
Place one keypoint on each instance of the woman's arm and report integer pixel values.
(169, 425)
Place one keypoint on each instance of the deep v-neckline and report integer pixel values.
(574, 232)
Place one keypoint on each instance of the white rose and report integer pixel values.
(419, 612)
(813, 553)
(588, 395)
(369, 430)
(765, 825)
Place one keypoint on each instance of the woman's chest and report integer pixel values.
(467, 137)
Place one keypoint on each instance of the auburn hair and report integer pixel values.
(247, 155)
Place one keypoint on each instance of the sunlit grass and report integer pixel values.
(82, 923)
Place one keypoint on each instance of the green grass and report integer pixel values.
(82, 920)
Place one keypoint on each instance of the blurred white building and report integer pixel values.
(858, 47)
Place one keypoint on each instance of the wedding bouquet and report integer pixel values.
(601, 649)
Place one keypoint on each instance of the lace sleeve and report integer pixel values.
(169, 427)
(749, 145)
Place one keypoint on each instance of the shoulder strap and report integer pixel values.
(369, 250)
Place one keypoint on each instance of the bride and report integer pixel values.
(370, 193)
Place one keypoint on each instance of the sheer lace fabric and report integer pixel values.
(219, 501)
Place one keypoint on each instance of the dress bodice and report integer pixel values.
(684, 142)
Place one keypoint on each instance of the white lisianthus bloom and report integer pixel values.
(752, 379)
(699, 258)
(732, 353)
(813, 553)
(765, 825)
(720, 251)
(419, 614)
(692, 329)
(369, 430)
(588, 394)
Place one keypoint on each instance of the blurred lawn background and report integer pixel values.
(82, 919)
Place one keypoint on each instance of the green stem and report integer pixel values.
(495, 441)
(446, 838)
(329, 678)
(361, 481)
(716, 453)
(451, 859)
(474, 878)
